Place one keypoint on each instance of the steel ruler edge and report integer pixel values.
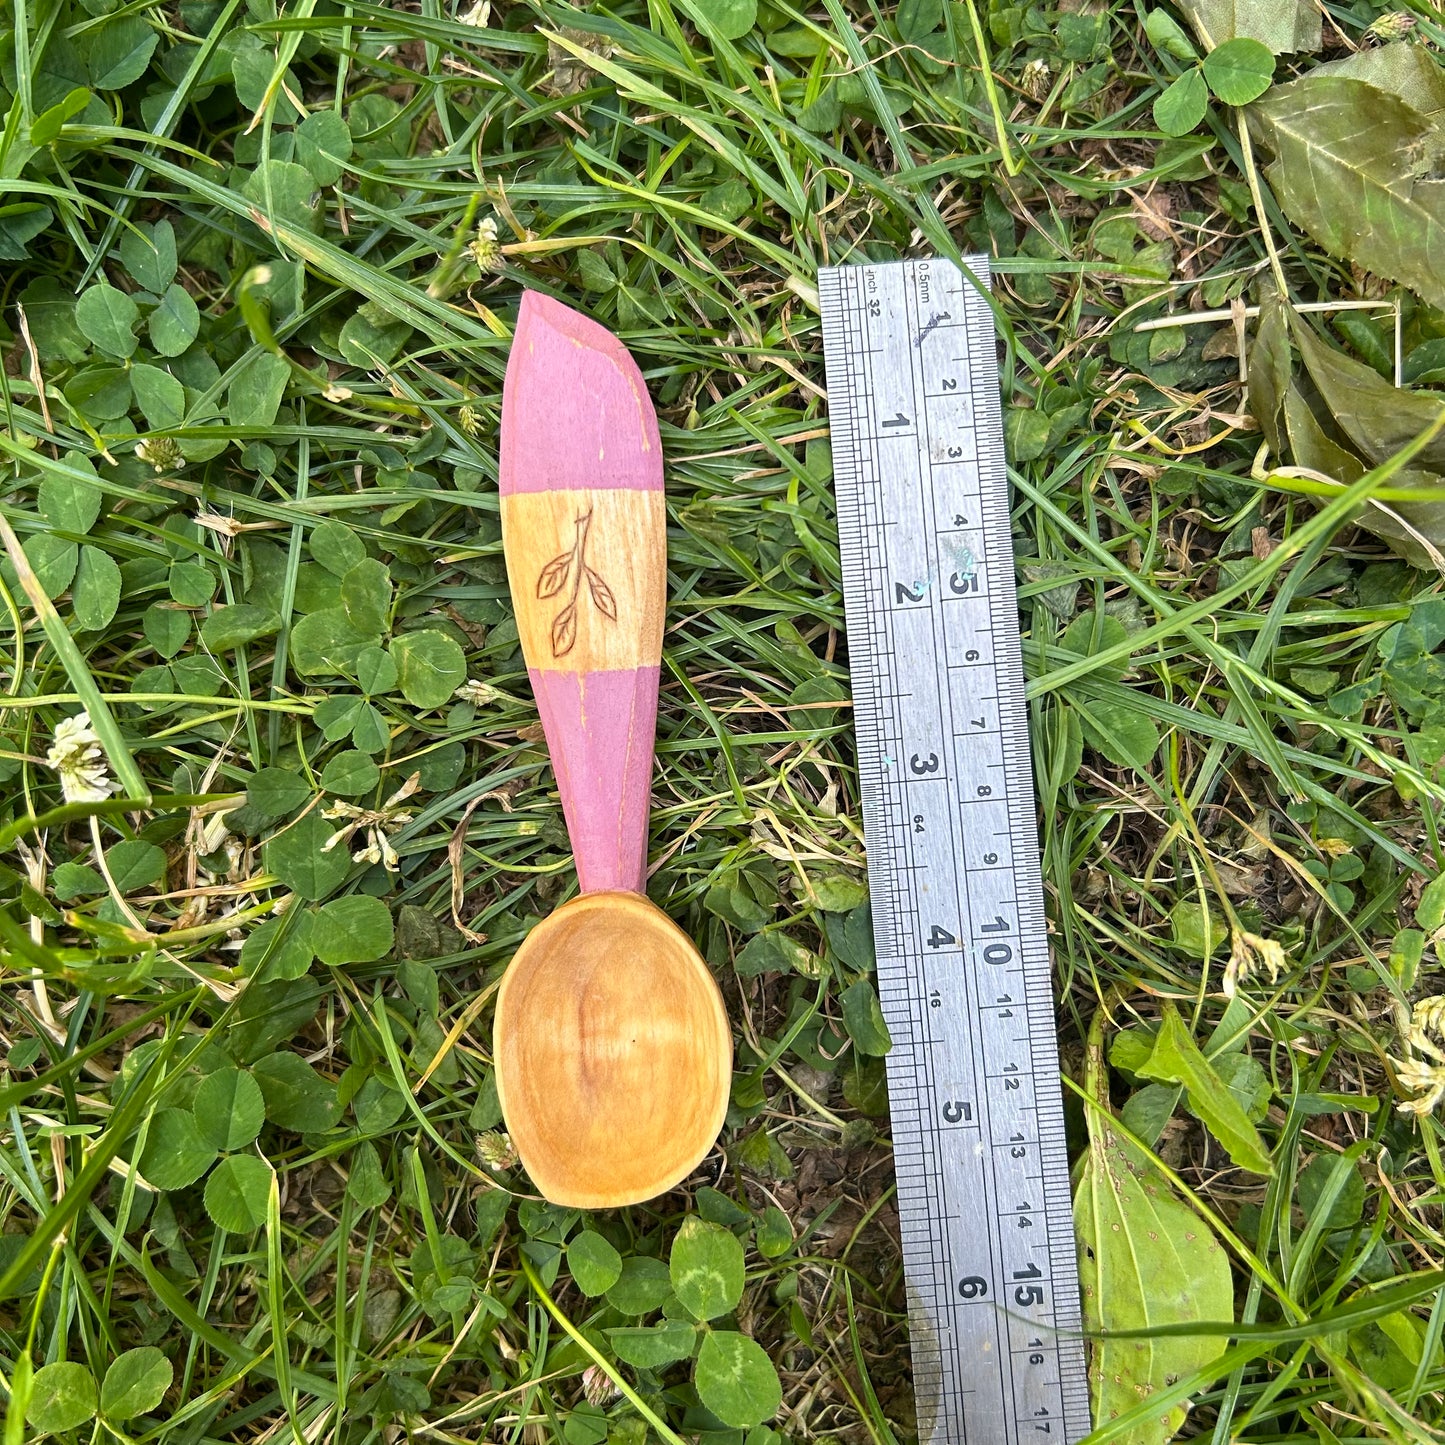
(949, 817)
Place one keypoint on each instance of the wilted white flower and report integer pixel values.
(477, 15)
(1249, 951)
(1035, 79)
(77, 756)
(332, 392)
(1422, 1071)
(479, 694)
(484, 249)
(1430, 1015)
(495, 1150)
(162, 453)
(375, 825)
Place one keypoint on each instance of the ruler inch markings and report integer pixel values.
(959, 927)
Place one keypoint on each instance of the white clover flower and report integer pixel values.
(161, 453)
(496, 1150)
(1249, 951)
(77, 757)
(374, 824)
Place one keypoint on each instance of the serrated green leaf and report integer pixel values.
(148, 253)
(1285, 26)
(228, 628)
(134, 863)
(298, 856)
(366, 596)
(175, 323)
(1122, 734)
(863, 1018)
(296, 1096)
(166, 628)
(350, 774)
(654, 1346)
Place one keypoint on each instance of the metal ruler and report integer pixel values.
(953, 854)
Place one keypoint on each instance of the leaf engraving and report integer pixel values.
(554, 575)
(602, 595)
(564, 630)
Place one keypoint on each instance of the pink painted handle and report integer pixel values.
(583, 529)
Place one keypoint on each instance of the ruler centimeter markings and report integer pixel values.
(953, 857)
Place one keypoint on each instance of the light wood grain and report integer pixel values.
(613, 1053)
(588, 574)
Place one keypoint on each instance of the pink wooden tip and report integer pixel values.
(600, 727)
(575, 410)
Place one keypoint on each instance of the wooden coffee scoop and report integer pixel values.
(613, 1050)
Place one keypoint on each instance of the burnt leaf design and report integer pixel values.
(554, 575)
(602, 595)
(564, 630)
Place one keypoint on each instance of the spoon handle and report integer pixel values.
(584, 533)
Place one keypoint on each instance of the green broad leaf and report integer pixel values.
(350, 774)
(917, 19)
(53, 560)
(1145, 1260)
(44, 129)
(136, 1383)
(297, 1097)
(1094, 632)
(323, 146)
(99, 393)
(736, 1380)
(336, 716)
(1430, 911)
(118, 53)
(863, 1018)
(276, 791)
(1167, 36)
(229, 1108)
(376, 671)
(1177, 1059)
(1330, 1185)
(298, 856)
(228, 628)
(1122, 734)
(370, 343)
(1240, 70)
(356, 929)
(771, 953)
(727, 19)
(68, 504)
(95, 593)
(1285, 26)
(1182, 104)
(838, 892)
(642, 1286)
(1026, 433)
(280, 947)
(367, 1185)
(594, 1264)
(167, 629)
(76, 880)
(1345, 169)
(159, 395)
(336, 547)
(192, 584)
(706, 1268)
(175, 323)
(366, 596)
(148, 254)
(50, 310)
(430, 667)
(62, 1397)
(325, 643)
(283, 191)
(254, 395)
(237, 1193)
(728, 200)
(655, 1346)
(134, 863)
(774, 1233)
(107, 318)
(175, 1154)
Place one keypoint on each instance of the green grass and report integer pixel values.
(330, 392)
